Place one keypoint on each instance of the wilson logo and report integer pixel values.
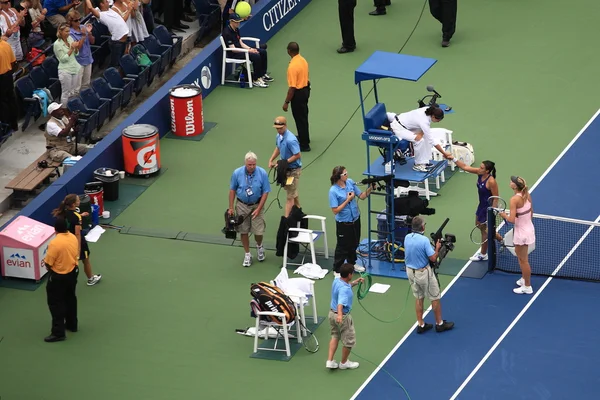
(190, 129)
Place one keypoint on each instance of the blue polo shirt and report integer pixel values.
(417, 250)
(53, 5)
(258, 183)
(338, 195)
(341, 293)
(288, 145)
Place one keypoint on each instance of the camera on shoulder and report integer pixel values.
(447, 242)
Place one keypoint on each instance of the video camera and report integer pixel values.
(411, 205)
(379, 181)
(231, 221)
(447, 244)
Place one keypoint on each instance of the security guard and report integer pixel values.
(8, 103)
(288, 147)
(346, 14)
(61, 262)
(380, 7)
(298, 94)
(250, 186)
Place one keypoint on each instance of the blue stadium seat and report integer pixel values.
(134, 71)
(93, 102)
(41, 80)
(115, 96)
(50, 65)
(31, 106)
(165, 38)
(157, 49)
(154, 68)
(88, 119)
(126, 85)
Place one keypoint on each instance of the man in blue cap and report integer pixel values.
(258, 57)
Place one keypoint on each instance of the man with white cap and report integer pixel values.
(60, 136)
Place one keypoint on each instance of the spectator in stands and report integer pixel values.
(84, 56)
(58, 9)
(69, 70)
(148, 15)
(27, 25)
(37, 15)
(117, 27)
(60, 140)
(8, 102)
(132, 14)
(10, 26)
(258, 57)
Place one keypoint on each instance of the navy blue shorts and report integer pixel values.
(481, 214)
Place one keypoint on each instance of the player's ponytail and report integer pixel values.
(490, 166)
(67, 202)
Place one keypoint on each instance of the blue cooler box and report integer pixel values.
(402, 227)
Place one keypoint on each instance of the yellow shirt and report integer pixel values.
(297, 73)
(63, 253)
(7, 57)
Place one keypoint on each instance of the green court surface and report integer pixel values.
(162, 322)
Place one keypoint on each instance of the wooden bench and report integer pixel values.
(31, 178)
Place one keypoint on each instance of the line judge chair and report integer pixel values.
(301, 291)
(307, 239)
(227, 59)
(281, 330)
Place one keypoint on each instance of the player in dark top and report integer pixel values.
(69, 210)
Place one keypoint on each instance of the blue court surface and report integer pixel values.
(507, 346)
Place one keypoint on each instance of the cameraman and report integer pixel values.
(418, 253)
(60, 135)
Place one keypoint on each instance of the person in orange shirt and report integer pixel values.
(8, 102)
(298, 94)
(61, 261)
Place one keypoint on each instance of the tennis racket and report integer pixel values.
(310, 342)
(498, 205)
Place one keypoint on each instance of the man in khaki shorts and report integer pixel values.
(340, 320)
(250, 186)
(288, 147)
(418, 253)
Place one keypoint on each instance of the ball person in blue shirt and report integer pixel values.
(342, 200)
(418, 253)
(340, 320)
(250, 186)
(288, 147)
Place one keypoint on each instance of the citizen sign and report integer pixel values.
(277, 12)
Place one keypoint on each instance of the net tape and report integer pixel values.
(564, 248)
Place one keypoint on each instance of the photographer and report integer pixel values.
(60, 136)
(342, 195)
(250, 186)
(419, 253)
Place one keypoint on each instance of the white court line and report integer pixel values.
(507, 331)
(391, 353)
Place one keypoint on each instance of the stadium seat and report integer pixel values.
(88, 119)
(134, 71)
(307, 238)
(154, 68)
(41, 80)
(165, 38)
(155, 48)
(105, 92)
(24, 88)
(116, 81)
(93, 102)
(50, 65)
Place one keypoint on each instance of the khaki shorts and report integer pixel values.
(424, 283)
(256, 225)
(348, 335)
(292, 190)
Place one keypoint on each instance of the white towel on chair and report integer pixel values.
(311, 271)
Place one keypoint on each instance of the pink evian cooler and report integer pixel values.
(24, 244)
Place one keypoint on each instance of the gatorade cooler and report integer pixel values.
(141, 150)
(96, 192)
(187, 118)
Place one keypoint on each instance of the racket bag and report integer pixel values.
(464, 152)
(272, 298)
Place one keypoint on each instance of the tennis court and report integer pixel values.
(518, 347)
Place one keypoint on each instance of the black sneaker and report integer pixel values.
(52, 338)
(424, 328)
(445, 326)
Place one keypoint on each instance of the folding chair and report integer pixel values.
(307, 238)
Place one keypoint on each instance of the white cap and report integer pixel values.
(53, 107)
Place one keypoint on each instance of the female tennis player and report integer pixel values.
(521, 214)
(486, 187)
(415, 126)
(69, 210)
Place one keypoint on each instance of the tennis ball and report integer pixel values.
(243, 9)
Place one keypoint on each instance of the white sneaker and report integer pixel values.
(349, 365)
(260, 83)
(93, 280)
(420, 168)
(523, 290)
(479, 257)
(521, 282)
(359, 268)
(247, 260)
(331, 364)
(260, 253)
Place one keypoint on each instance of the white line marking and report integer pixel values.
(391, 353)
(535, 296)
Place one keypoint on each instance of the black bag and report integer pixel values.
(272, 298)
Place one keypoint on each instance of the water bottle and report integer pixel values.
(95, 214)
(242, 79)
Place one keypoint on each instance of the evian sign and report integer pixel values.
(277, 12)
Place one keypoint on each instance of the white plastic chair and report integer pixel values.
(307, 238)
(227, 59)
(301, 291)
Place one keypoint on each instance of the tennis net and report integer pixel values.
(564, 248)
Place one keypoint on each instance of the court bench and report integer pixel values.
(31, 178)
